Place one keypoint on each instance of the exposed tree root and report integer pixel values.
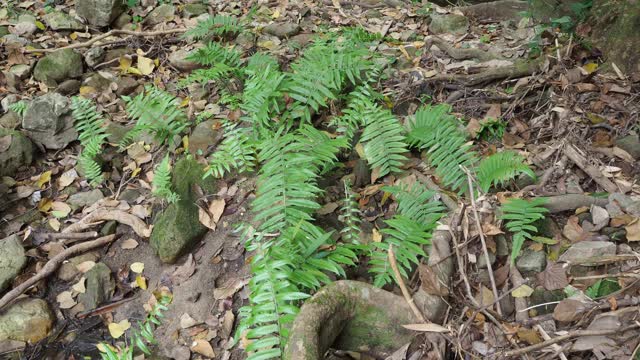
(140, 228)
(52, 265)
(566, 202)
(458, 54)
(519, 69)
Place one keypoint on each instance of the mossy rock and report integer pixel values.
(19, 153)
(58, 66)
(178, 228)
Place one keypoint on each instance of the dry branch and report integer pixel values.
(573, 154)
(139, 226)
(52, 265)
(403, 287)
(106, 35)
(566, 202)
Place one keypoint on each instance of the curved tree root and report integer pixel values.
(459, 54)
(519, 69)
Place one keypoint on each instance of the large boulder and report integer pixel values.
(99, 12)
(12, 260)
(448, 23)
(19, 152)
(48, 121)
(58, 66)
(178, 228)
(26, 320)
(162, 13)
(59, 20)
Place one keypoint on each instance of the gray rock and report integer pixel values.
(68, 270)
(531, 262)
(122, 21)
(94, 56)
(246, 40)
(24, 28)
(59, 20)
(10, 120)
(79, 200)
(8, 100)
(162, 13)
(4, 30)
(625, 203)
(19, 153)
(58, 66)
(302, 39)
(448, 23)
(202, 136)
(542, 296)
(109, 228)
(192, 10)
(482, 260)
(179, 60)
(13, 39)
(12, 260)
(21, 71)
(69, 87)
(28, 320)
(99, 12)
(27, 17)
(99, 287)
(178, 229)
(48, 121)
(282, 30)
(126, 85)
(630, 144)
(408, 35)
(588, 249)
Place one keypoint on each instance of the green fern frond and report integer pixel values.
(261, 98)
(353, 116)
(157, 112)
(90, 125)
(383, 138)
(236, 151)
(350, 217)
(219, 25)
(520, 214)
(500, 168)
(417, 203)
(213, 53)
(204, 76)
(162, 181)
(435, 130)
(19, 107)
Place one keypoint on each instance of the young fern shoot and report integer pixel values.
(162, 181)
(350, 217)
(89, 123)
(520, 214)
(501, 167)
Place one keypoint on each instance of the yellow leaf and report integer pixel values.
(45, 205)
(125, 63)
(117, 329)
(185, 102)
(40, 25)
(134, 71)
(141, 282)
(185, 141)
(137, 267)
(44, 178)
(145, 65)
(522, 291)
(377, 237)
(87, 90)
(360, 150)
(73, 35)
(135, 172)
(276, 14)
(55, 224)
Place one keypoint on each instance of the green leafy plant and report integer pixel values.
(162, 181)
(92, 135)
(520, 215)
(237, 151)
(409, 231)
(602, 288)
(435, 130)
(141, 337)
(219, 25)
(156, 112)
(350, 217)
(491, 129)
(501, 167)
(19, 107)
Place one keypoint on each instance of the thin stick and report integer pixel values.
(573, 154)
(52, 265)
(74, 236)
(106, 35)
(403, 287)
(494, 288)
(568, 336)
(557, 348)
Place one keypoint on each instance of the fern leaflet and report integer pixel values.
(219, 25)
(520, 214)
(500, 168)
(350, 217)
(92, 136)
(236, 151)
(162, 181)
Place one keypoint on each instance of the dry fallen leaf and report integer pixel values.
(60, 209)
(141, 282)
(129, 244)
(117, 329)
(145, 65)
(203, 348)
(184, 271)
(522, 291)
(633, 230)
(65, 299)
(230, 287)
(429, 327)
(216, 208)
(79, 287)
(377, 237)
(67, 178)
(186, 321)
(83, 267)
(554, 277)
(55, 224)
(137, 267)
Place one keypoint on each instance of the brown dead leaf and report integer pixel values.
(216, 208)
(529, 336)
(491, 229)
(494, 112)
(473, 127)
(633, 230)
(227, 324)
(129, 244)
(184, 271)
(229, 289)
(554, 277)
(65, 299)
(569, 310)
(85, 266)
(327, 208)
(573, 231)
(431, 283)
(186, 321)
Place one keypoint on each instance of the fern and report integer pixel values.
(409, 231)
(157, 112)
(261, 98)
(19, 107)
(436, 131)
(203, 76)
(350, 217)
(219, 25)
(162, 181)
(92, 136)
(500, 168)
(213, 53)
(520, 214)
(236, 151)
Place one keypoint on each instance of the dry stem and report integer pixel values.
(403, 287)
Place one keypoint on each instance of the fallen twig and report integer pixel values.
(546, 336)
(568, 336)
(560, 203)
(69, 237)
(494, 288)
(403, 287)
(106, 35)
(52, 265)
(140, 228)
(573, 154)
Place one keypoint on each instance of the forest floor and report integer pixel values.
(574, 120)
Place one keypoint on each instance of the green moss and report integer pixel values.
(370, 326)
(188, 172)
(176, 230)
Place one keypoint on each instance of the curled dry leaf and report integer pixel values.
(203, 348)
(428, 327)
(186, 321)
(184, 271)
(65, 299)
(129, 244)
(85, 266)
(137, 267)
(229, 289)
